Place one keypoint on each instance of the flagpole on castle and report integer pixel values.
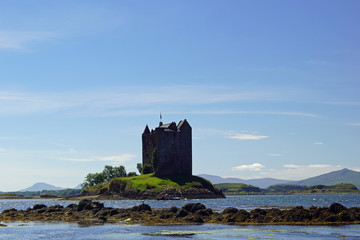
(160, 123)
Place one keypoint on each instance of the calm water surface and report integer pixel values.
(243, 202)
(206, 231)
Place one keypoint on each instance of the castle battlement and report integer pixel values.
(174, 146)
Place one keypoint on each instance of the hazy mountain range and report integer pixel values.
(341, 176)
(44, 186)
(261, 182)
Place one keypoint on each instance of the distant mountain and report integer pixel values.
(336, 177)
(40, 187)
(261, 182)
(78, 186)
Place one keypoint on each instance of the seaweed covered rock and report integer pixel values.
(88, 211)
(336, 208)
(141, 208)
(230, 210)
(193, 207)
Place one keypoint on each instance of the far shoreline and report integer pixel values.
(119, 198)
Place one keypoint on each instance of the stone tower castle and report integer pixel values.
(174, 146)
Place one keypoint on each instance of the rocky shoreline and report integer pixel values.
(115, 192)
(92, 212)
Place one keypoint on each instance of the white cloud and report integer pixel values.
(342, 103)
(318, 143)
(246, 136)
(319, 62)
(119, 158)
(274, 154)
(291, 166)
(229, 112)
(355, 124)
(133, 101)
(251, 167)
(300, 172)
(16, 40)
(307, 166)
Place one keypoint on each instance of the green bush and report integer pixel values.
(131, 174)
(147, 168)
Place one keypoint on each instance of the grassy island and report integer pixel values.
(239, 189)
(149, 186)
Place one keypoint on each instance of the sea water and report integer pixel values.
(239, 201)
(205, 231)
(38, 230)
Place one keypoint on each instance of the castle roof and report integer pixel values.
(146, 130)
(169, 126)
(182, 123)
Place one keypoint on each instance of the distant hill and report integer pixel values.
(40, 187)
(78, 186)
(261, 182)
(341, 176)
(238, 189)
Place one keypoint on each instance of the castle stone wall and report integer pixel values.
(174, 144)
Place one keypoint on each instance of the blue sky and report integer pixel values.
(271, 88)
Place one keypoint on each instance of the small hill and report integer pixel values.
(332, 178)
(284, 189)
(147, 186)
(238, 189)
(261, 182)
(40, 187)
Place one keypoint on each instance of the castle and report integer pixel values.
(173, 144)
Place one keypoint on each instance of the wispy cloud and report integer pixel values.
(318, 143)
(274, 154)
(16, 40)
(347, 103)
(204, 132)
(291, 166)
(299, 172)
(307, 166)
(251, 167)
(118, 159)
(133, 101)
(247, 136)
(319, 63)
(357, 124)
(229, 112)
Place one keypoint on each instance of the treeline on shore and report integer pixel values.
(44, 193)
(244, 189)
